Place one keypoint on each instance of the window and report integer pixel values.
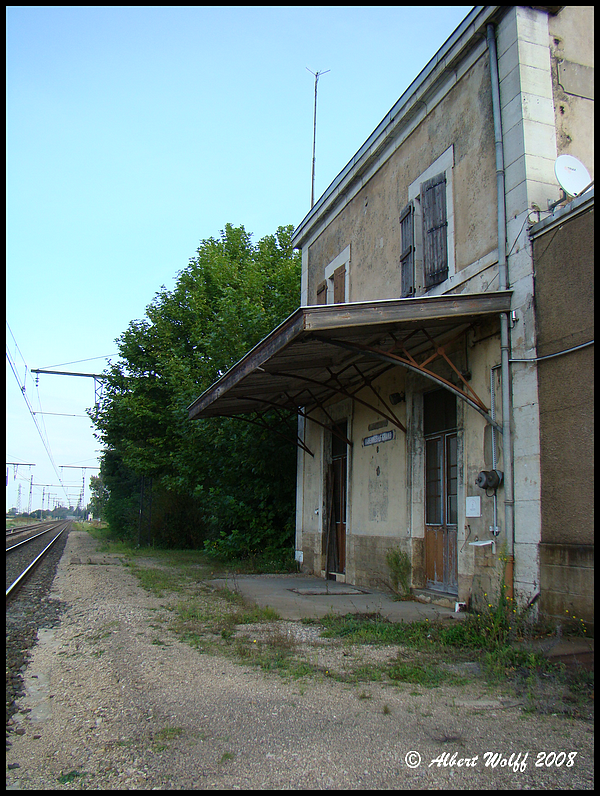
(407, 258)
(427, 229)
(435, 236)
(334, 288)
(339, 285)
(322, 293)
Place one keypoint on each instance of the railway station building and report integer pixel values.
(440, 363)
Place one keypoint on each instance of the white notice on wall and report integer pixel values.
(473, 507)
(376, 439)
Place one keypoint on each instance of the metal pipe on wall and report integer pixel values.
(504, 320)
(494, 461)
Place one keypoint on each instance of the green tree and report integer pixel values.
(215, 479)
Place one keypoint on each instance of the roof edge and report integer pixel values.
(327, 317)
(287, 330)
(452, 50)
(576, 206)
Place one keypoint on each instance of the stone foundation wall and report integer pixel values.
(567, 583)
(366, 564)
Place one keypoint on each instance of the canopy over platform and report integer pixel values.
(330, 350)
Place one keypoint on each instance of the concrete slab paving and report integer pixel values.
(307, 597)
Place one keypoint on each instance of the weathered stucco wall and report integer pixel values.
(378, 471)
(386, 480)
(370, 222)
(572, 52)
(564, 279)
(544, 65)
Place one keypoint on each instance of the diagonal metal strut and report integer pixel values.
(411, 364)
(343, 391)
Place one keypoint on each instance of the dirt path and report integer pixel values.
(115, 701)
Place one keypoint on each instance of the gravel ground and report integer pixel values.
(114, 701)
(30, 609)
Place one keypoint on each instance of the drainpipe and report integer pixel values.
(504, 320)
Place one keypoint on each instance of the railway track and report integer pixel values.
(25, 555)
(23, 528)
(18, 530)
(29, 606)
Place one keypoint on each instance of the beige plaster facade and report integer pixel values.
(445, 124)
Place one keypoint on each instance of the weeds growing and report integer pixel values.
(490, 639)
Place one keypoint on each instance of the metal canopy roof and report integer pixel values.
(332, 350)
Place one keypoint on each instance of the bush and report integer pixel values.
(400, 569)
(233, 550)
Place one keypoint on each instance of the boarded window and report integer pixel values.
(439, 411)
(435, 230)
(339, 285)
(451, 479)
(322, 293)
(407, 257)
(433, 481)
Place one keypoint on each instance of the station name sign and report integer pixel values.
(385, 436)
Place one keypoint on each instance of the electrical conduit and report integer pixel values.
(509, 519)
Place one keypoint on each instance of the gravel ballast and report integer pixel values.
(27, 611)
(114, 701)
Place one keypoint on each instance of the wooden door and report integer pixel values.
(339, 469)
(441, 490)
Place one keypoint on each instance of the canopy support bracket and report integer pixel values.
(411, 364)
(343, 391)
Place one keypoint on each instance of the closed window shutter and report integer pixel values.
(322, 293)
(435, 230)
(407, 256)
(339, 285)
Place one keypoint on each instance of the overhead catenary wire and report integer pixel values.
(18, 349)
(59, 414)
(22, 387)
(31, 412)
(77, 361)
(14, 352)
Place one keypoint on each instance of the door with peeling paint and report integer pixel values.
(339, 462)
(441, 489)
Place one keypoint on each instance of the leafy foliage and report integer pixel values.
(400, 568)
(219, 479)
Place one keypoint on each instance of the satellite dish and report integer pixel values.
(571, 174)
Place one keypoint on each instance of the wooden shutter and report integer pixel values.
(339, 285)
(407, 256)
(435, 230)
(322, 293)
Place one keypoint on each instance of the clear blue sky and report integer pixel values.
(134, 133)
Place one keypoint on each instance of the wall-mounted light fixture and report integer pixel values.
(397, 398)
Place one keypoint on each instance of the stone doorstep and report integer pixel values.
(431, 597)
(340, 577)
(329, 586)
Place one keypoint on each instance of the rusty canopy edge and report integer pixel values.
(339, 317)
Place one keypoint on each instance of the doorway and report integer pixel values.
(441, 491)
(337, 494)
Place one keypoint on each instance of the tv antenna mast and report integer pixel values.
(312, 190)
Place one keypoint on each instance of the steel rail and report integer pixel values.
(31, 538)
(31, 527)
(15, 583)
